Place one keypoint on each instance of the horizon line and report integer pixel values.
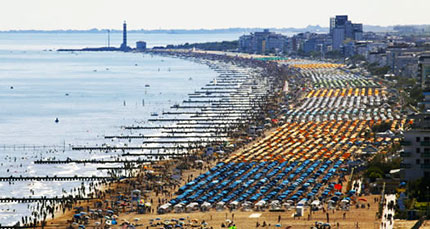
(199, 29)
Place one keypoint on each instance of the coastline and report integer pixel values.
(212, 218)
(66, 215)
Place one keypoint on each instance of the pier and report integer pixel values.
(54, 178)
(88, 161)
(161, 136)
(42, 199)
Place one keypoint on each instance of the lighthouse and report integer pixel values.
(124, 46)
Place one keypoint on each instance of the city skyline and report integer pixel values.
(193, 14)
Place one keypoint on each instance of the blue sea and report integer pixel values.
(92, 94)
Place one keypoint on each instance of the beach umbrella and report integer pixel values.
(77, 216)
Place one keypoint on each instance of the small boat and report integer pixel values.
(154, 114)
(147, 85)
(190, 78)
(56, 120)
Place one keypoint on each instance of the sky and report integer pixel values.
(208, 14)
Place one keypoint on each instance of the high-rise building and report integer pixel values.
(342, 29)
(358, 31)
(332, 25)
(416, 149)
(416, 144)
(341, 20)
(424, 72)
(338, 37)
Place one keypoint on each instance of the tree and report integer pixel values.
(335, 54)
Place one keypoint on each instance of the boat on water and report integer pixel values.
(147, 85)
(154, 114)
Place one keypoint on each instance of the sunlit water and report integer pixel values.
(91, 94)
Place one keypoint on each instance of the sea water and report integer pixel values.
(92, 94)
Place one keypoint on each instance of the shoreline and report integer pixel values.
(213, 218)
(66, 212)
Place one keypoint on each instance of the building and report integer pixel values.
(263, 42)
(378, 57)
(424, 72)
(332, 25)
(338, 37)
(416, 149)
(416, 144)
(358, 31)
(318, 43)
(140, 46)
(342, 29)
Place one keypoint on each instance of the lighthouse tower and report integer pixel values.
(124, 46)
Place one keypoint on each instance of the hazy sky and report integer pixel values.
(195, 14)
